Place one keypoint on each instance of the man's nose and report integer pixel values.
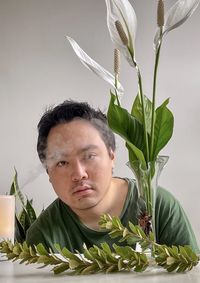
(78, 171)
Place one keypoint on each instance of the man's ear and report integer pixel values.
(112, 157)
(48, 175)
(112, 154)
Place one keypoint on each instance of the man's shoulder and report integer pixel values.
(166, 202)
(165, 195)
(130, 181)
(51, 209)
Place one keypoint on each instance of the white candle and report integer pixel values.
(7, 217)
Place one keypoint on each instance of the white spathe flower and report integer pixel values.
(94, 66)
(122, 11)
(176, 16)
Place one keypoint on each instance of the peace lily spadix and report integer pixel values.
(146, 128)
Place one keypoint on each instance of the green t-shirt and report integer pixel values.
(59, 224)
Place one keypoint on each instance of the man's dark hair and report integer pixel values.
(66, 112)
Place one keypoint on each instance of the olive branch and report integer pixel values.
(103, 258)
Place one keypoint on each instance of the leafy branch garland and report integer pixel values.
(104, 259)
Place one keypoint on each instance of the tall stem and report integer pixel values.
(154, 100)
(116, 85)
(143, 114)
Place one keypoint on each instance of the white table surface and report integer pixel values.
(13, 272)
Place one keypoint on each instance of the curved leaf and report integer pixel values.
(135, 154)
(30, 211)
(137, 111)
(163, 128)
(15, 190)
(122, 123)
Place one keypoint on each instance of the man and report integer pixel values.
(77, 148)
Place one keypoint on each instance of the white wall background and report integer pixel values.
(38, 68)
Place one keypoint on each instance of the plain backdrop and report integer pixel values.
(38, 68)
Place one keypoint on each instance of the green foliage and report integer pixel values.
(104, 258)
(124, 124)
(177, 259)
(164, 124)
(27, 215)
(136, 111)
(130, 127)
(142, 134)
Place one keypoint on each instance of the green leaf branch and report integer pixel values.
(103, 258)
(179, 259)
(93, 260)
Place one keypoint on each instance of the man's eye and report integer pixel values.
(62, 163)
(90, 155)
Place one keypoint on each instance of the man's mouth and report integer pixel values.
(82, 190)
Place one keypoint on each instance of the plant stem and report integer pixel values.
(143, 114)
(116, 85)
(154, 98)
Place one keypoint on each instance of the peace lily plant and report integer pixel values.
(146, 130)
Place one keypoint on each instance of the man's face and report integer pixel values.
(78, 164)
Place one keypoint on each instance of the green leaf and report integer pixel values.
(44, 259)
(14, 190)
(61, 268)
(182, 267)
(89, 269)
(115, 233)
(27, 216)
(191, 253)
(106, 248)
(41, 249)
(120, 264)
(30, 211)
(19, 231)
(164, 123)
(132, 240)
(69, 255)
(17, 250)
(172, 267)
(111, 268)
(123, 252)
(138, 114)
(73, 263)
(24, 255)
(122, 123)
(135, 154)
(24, 220)
(32, 251)
(184, 254)
(88, 255)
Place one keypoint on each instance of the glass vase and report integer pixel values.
(147, 183)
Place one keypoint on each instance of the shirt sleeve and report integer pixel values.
(172, 224)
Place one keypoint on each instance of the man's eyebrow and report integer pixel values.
(88, 147)
(61, 154)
